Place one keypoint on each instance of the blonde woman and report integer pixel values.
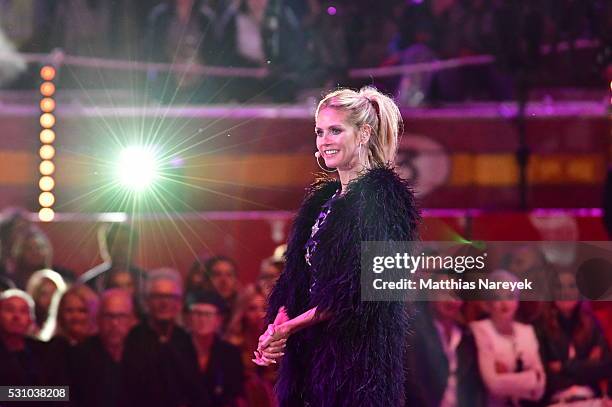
(334, 349)
(76, 321)
(508, 354)
(243, 331)
(76, 318)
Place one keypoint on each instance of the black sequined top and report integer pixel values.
(311, 244)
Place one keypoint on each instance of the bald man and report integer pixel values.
(99, 369)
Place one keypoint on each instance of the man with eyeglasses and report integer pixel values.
(98, 370)
(160, 360)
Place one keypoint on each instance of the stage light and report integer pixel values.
(137, 168)
(47, 105)
(47, 73)
(47, 152)
(46, 214)
(47, 136)
(46, 183)
(46, 199)
(47, 120)
(47, 89)
(46, 167)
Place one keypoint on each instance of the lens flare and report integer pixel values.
(137, 168)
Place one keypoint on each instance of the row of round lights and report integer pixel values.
(46, 183)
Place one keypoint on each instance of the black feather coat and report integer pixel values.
(356, 357)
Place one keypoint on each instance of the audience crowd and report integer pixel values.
(119, 335)
(312, 44)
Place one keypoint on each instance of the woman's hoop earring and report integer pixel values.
(360, 161)
(320, 166)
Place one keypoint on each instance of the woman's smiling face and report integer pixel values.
(337, 140)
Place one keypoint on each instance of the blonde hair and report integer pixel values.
(369, 107)
(236, 329)
(91, 301)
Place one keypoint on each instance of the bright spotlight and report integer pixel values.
(137, 168)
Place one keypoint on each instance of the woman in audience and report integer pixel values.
(46, 288)
(76, 321)
(508, 356)
(248, 321)
(528, 261)
(243, 331)
(220, 376)
(77, 314)
(575, 353)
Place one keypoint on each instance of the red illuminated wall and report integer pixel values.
(176, 242)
